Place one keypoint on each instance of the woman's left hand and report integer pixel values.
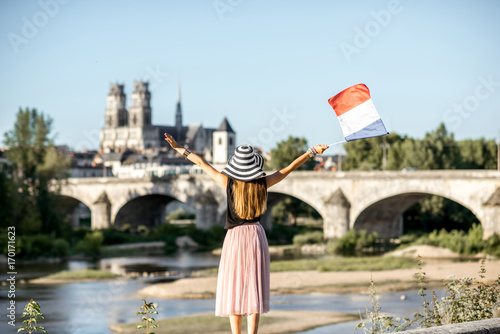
(171, 141)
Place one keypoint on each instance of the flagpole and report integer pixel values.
(339, 142)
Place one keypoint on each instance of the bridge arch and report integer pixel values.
(73, 208)
(385, 215)
(274, 197)
(121, 200)
(64, 192)
(148, 209)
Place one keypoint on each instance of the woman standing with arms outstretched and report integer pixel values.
(243, 284)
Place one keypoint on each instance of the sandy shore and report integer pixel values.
(274, 322)
(332, 282)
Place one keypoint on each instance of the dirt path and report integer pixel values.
(308, 281)
(274, 322)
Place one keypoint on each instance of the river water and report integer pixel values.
(91, 307)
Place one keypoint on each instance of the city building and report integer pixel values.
(85, 164)
(331, 163)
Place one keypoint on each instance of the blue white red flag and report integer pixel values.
(356, 113)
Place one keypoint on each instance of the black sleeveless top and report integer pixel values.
(232, 218)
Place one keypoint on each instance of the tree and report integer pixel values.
(366, 154)
(6, 190)
(441, 149)
(36, 163)
(287, 151)
(477, 154)
(438, 150)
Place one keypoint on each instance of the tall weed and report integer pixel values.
(467, 299)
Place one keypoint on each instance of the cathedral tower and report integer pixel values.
(116, 114)
(139, 115)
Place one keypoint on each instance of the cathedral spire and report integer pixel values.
(178, 114)
(178, 92)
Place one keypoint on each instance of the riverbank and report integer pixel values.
(274, 322)
(298, 282)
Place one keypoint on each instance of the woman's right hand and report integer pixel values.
(321, 148)
(171, 141)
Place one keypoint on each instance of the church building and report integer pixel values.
(131, 128)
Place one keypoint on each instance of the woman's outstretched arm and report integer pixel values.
(207, 168)
(276, 177)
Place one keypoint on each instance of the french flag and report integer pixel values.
(356, 113)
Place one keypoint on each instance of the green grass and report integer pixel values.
(368, 263)
(195, 324)
(208, 294)
(82, 274)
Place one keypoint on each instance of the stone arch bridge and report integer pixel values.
(346, 200)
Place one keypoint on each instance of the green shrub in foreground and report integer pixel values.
(33, 314)
(467, 299)
(146, 311)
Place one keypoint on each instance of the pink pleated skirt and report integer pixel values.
(243, 284)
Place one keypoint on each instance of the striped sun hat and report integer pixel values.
(244, 164)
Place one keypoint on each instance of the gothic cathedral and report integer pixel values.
(131, 129)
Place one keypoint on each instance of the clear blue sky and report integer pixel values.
(251, 60)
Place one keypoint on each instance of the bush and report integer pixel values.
(407, 238)
(91, 245)
(215, 236)
(315, 237)
(166, 229)
(461, 242)
(126, 228)
(207, 239)
(492, 245)
(60, 248)
(468, 299)
(283, 234)
(41, 245)
(180, 214)
(354, 243)
(168, 233)
(143, 230)
(34, 246)
(113, 236)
